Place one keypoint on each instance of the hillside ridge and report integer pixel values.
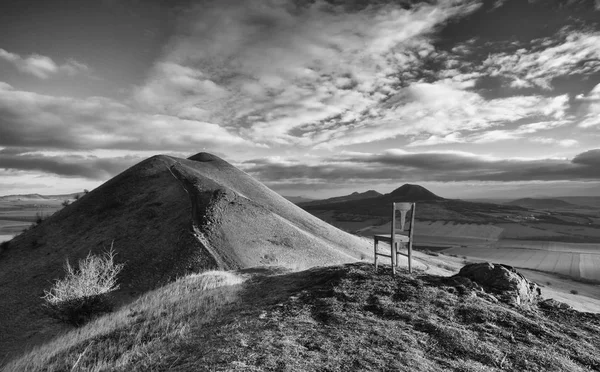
(166, 217)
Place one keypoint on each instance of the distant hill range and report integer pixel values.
(404, 193)
(166, 217)
(534, 203)
(339, 199)
(298, 199)
(429, 207)
(37, 197)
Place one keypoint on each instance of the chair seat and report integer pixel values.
(388, 238)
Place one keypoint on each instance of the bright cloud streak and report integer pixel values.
(42, 67)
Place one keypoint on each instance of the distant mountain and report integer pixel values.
(22, 197)
(542, 203)
(413, 193)
(429, 207)
(345, 198)
(298, 199)
(33, 197)
(582, 201)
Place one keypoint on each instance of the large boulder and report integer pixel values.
(504, 282)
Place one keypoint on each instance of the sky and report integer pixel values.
(318, 98)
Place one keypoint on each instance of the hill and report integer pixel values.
(298, 199)
(341, 199)
(167, 217)
(535, 203)
(413, 193)
(38, 197)
(337, 318)
(429, 207)
(583, 201)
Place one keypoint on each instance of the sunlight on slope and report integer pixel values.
(137, 335)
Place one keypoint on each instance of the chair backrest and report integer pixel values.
(404, 208)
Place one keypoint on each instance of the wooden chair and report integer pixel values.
(394, 237)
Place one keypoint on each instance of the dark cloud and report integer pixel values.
(427, 167)
(589, 158)
(48, 122)
(67, 166)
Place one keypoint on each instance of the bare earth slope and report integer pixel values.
(167, 217)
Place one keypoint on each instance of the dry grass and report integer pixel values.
(83, 292)
(325, 319)
(141, 335)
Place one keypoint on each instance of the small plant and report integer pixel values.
(574, 291)
(39, 218)
(85, 191)
(65, 202)
(84, 292)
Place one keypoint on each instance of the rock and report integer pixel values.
(551, 303)
(504, 282)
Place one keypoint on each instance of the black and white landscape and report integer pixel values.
(195, 185)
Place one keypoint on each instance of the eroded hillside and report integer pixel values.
(165, 217)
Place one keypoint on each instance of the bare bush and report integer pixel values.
(84, 292)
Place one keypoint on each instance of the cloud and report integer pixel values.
(488, 136)
(282, 72)
(590, 108)
(90, 166)
(40, 121)
(588, 158)
(395, 166)
(41, 66)
(554, 141)
(569, 53)
(441, 111)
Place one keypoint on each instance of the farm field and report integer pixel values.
(17, 215)
(443, 229)
(570, 263)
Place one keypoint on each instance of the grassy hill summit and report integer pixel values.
(166, 217)
(336, 318)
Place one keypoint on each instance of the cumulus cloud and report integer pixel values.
(448, 166)
(42, 67)
(40, 121)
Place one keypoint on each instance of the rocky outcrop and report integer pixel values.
(503, 282)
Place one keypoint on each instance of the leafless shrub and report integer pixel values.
(84, 291)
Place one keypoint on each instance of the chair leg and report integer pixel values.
(410, 256)
(393, 257)
(375, 253)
